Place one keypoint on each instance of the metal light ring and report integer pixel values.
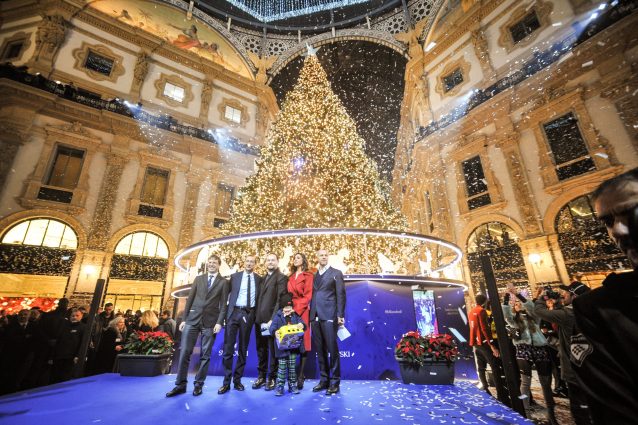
(270, 234)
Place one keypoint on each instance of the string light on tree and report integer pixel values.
(313, 172)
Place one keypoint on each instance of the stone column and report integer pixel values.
(10, 142)
(557, 255)
(622, 91)
(530, 216)
(479, 42)
(193, 184)
(545, 270)
(103, 215)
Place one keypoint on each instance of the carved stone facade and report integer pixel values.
(501, 117)
(50, 36)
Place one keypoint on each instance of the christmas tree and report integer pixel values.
(313, 172)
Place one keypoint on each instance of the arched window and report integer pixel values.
(584, 242)
(43, 232)
(499, 242)
(34, 248)
(137, 279)
(142, 244)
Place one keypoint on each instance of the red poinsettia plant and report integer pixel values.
(146, 343)
(415, 348)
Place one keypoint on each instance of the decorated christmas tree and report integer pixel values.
(313, 172)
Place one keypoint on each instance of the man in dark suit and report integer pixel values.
(327, 309)
(204, 314)
(242, 303)
(272, 287)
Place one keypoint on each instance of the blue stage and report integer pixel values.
(111, 399)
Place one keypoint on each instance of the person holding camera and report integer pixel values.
(605, 356)
(563, 316)
(531, 348)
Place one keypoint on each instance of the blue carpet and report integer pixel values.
(111, 399)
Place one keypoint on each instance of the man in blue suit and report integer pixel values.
(204, 314)
(240, 316)
(327, 309)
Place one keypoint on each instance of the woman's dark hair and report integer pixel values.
(525, 321)
(304, 263)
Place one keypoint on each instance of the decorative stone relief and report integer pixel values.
(50, 36)
(140, 72)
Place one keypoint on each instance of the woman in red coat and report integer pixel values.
(300, 286)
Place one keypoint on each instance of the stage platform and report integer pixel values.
(111, 399)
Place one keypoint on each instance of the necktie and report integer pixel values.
(248, 293)
(210, 281)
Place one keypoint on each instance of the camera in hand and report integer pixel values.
(551, 293)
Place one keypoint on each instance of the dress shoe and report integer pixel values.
(320, 387)
(239, 386)
(175, 391)
(270, 385)
(334, 389)
(197, 390)
(223, 389)
(260, 382)
(300, 382)
(294, 390)
(279, 392)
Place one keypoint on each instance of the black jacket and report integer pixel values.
(272, 287)
(563, 316)
(608, 319)
(206, 306)
(69, 340)
(328, 295)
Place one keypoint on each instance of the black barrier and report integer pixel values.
(507, 356)
(98, 293)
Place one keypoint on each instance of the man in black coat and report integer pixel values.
(604, 357)
(203, 314)
(327, 309)
(67, 348)
(273, 286)
(242, 304)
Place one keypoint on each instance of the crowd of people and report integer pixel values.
(586, 339)
(40, 348)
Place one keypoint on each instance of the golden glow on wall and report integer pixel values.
(42, 232)
(143, 244)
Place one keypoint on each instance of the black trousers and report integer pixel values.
(62, 370)
(578, 404)
(237, 331)
(484, 356)
(189, 338)
(267, 362)
(324, 342)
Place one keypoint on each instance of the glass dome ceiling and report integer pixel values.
(275, 10)
(287, 16)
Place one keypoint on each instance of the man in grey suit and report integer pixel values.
(327, 309)
(242, 303)
(204, 314)
(272, 287)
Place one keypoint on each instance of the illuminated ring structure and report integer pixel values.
(271, 234)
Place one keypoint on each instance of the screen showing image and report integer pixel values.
(425, 312)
